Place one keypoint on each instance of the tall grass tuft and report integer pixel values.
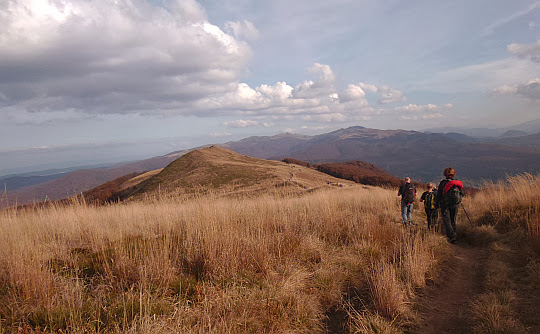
(509, 213)
(513, 203)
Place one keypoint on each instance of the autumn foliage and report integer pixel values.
(107, 191)
(296, 162)
(356, 171)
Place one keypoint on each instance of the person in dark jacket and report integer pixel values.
(429, 197)
(449, 208)
(407, 191)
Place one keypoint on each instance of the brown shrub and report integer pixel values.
(360, 172)
(296, 162)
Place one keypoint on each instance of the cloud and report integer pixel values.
(221, 134)
(317, 101)
(322, 85)
(75, 59)
(390, 95)
(331, 118)
(280, 98)
(414, 108)
(527, 51)
(505, 20)
(242, 30)
(368, 87)
(529, 90)
(241, 123)
(481, 77)
(422, 117)
(315, 128)
(505, 90)
(113, 57)
(352, 93)
(422, 112)
(280, 91)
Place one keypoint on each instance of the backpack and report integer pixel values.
(452, 192)
(409, 193)
(453, 196)
(429, 201)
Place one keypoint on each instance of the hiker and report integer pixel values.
(428, 197)
(448, 199)
(407, 191)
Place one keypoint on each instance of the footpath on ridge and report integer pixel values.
(445, 305)
(486, 287)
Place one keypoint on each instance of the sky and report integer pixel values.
(95, 81)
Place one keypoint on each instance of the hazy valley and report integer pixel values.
(421, 156)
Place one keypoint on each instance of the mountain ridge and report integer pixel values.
(526, 128)
(219, 169)
(408, 153)
(419, 155)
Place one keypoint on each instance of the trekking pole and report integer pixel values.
(466, 214)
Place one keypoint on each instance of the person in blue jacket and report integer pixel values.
(407, 191)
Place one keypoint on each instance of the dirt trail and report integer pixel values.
(444, 306)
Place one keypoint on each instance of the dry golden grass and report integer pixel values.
(215, 169)
(509, 212)
(274, 263)
(511, 204)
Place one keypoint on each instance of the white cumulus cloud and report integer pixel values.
(220, 134)
(352, 93)
(390, 95)
(240, 123)
(280, 91)
(422, 112)
(323, 85)
(529, 90)
(368, 87)
(119, 56)
(505, 90)
(242, 30)
(528, 51)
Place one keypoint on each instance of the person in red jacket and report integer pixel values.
(448, 199)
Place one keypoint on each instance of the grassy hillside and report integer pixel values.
(292, 254)
(331, 260)
(78, 181)
(218, 169)
(507, 219)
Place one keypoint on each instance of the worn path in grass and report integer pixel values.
(444, 306)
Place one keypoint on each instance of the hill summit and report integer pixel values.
(217, 168)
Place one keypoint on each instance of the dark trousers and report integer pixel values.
(432, 215)
(449, 215)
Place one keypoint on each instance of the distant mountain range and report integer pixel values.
(78, 181)
(422, 156)
(523, 129)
